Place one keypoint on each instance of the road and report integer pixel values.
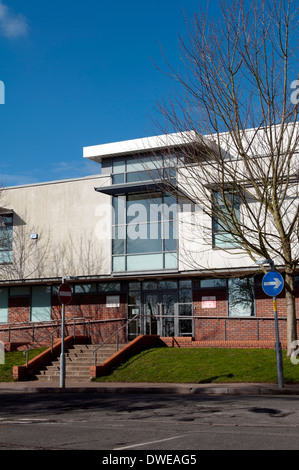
(147, 422)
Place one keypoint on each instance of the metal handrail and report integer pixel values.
(50, 334)
(110, 337)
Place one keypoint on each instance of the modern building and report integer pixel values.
(126, 243)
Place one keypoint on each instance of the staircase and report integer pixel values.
(78, 360)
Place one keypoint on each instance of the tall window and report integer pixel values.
(3, 305)
(6, 232)
(224, 210)
(41, 303)
(144, 232)
(241, 297)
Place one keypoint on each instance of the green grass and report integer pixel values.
(15, 358)
(184, 365)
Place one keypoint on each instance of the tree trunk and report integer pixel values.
(291, 312)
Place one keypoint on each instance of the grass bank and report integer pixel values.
(15, 358)
(184, 365)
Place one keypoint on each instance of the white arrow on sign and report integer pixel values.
(276, 282)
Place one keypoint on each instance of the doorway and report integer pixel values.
(161, 308)
(160, 313)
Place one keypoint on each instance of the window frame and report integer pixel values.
(229, 240)
(161, 257)
(253, 299)
(7, 248)
(148, 168)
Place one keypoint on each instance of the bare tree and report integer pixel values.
(240, 163)
(78, 255)
(28, 248)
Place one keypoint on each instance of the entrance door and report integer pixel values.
(160, 313)
(150, 312)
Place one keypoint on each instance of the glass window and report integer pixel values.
(144, 262)
(185, 295)
(146, 163)
(170, 260)
(224, 210)
(149, 285)
(19, 291)
(4, 305)
(134, 298)
(213, 283)
(118, 240)
(134, 285)
(168, 285)
(118, 179)
(147, 168)
(144, 208)
(186, 283)
(185, 310)
(109, 286)
(241, 297)
(119, 263)
(118, 166)
(6, 235)
(41, 303)
(119, 210)
(85, 288)
(144, 238)
(169, 236)
(149, 228)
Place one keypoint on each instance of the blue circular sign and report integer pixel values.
(272, 283)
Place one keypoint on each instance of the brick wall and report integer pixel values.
(101, 321)
(261, 327)
(210, 324)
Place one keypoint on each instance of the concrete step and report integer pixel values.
(78, 360)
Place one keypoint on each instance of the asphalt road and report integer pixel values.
(122, 423)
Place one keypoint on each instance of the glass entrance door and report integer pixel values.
(160, 313)
(162, 308)
(151, 309)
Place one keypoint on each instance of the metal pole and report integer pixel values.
(278, 350)
(279, 363)
(62, 355)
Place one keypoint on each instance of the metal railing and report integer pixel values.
(22, 326)
(55, 331)
(113, 334)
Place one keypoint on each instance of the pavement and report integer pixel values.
(154, 388)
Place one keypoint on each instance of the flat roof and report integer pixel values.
(45, 183)
(114, 149)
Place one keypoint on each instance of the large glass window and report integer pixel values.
(224, 210)
(241, 297)
(41, 303)
(147, 168)
(4, 305)
(144, 232)
(6, 233)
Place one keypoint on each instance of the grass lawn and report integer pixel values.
(15, 358)
(185, 365)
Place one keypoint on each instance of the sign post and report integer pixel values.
(273, 285)
(65, 296)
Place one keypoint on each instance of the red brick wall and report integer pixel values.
(88, 306)
(223, 328)
(210, 324)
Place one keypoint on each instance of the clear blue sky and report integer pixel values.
(79, 74)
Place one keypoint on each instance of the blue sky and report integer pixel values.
(79, 74)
